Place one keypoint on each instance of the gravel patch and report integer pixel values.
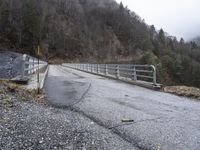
(29, 125)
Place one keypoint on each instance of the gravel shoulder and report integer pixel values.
(27, 122)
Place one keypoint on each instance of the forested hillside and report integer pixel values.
(197, 40)
(96, 31)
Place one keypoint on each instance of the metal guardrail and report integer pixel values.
(30, 65)
(127, 71)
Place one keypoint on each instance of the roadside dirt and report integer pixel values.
(183, 91)
(9, 88)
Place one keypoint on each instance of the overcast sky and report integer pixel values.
(180, 18)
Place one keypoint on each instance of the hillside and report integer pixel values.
(197, 40)
(100, 31)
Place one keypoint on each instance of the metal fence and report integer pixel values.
(120, 71)
(30, 65)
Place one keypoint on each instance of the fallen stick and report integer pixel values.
(127, 120)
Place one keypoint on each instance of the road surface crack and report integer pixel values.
(82, 97)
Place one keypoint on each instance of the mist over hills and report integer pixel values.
(196, 40)
(94, 31)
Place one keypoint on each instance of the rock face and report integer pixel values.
(9, 64)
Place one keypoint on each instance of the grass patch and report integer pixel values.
(20, 93)
(2, 91)
(22, 98)
(7, 102)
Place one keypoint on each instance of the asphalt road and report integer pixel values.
(161, 120)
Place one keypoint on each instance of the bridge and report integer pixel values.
(160, 120)
(122, 100)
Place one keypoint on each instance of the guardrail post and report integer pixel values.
(33, 65)
(134, 74)
(106, 70)
(88, 67)
(117, 71)
(22, 66)
(98, 69)
(27, 58)
(154, 74)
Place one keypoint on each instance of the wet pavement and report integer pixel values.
(161, 120)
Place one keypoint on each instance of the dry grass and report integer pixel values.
(21, 93)
(183, 91)
(7, 101)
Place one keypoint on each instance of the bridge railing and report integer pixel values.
(120, 71)
(30, 65)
